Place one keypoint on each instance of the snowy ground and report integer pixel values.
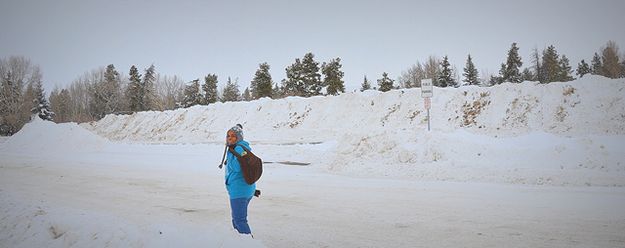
(163, 196)
(535, 175)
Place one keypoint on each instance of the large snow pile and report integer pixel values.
(569, 133)
(592, 105)
(39, 136)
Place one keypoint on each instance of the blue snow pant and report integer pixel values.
(239, 214)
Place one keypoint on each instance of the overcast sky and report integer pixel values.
(230, 38)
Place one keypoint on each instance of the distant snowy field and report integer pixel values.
(518, 165)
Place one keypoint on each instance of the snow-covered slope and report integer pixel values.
(592, 105)
(569, 133)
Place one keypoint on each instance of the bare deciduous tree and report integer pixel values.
(15, 104)
(169, 92)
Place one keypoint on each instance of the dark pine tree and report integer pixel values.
(536, 65)
(470, 72)
(210, 89)
(512, 72)
(262, 82)
(385, 83)
(112, 83)
(231, 91)
(148, 90)
(133, 90)
(41, 105)
(246, 96)
(565, 69)
(582, 69)
(310, 76)
(445, 77)
(551, 65)
(333, 77)
(192, 95)
(276, 92)
(527, 75)
(597, 67)
(365, 85)
(293, 84)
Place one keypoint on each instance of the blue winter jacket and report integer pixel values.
(235, 183)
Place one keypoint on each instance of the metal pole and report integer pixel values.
(428, 119)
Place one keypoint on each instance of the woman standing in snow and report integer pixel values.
(239, 191)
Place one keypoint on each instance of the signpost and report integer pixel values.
(427, 91)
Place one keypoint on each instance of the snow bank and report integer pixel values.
(534, 158)
(569, 133)
(558, 134)
(593, 105)
(39, 136)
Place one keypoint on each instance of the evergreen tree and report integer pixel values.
(333, 77)
(310, 76)
(611, 66)
(53, 99)
(470, 72)
(210, 89)
(512, 72)
(41, 105)
(133, 90)
(583, 68)
(192, 94)
(149, 92)
(536, 65)
(293, 84)
(113, 90)
(105, 93)
(97, 100)
(365, 85)
(276, 92)
(231, 92)
(28, 102)
(385, 83)
(303, 78)
(16, 104)
(527, 75)
(499, 78)
(60, 105)
(262, 82)
(445, 76)
(551, 65)
(597, 67)
(565, 69)
(494, 80)
(246, 96)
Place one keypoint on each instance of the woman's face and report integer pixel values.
(231, 137)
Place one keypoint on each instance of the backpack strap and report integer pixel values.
(236, 154)
(223, 158)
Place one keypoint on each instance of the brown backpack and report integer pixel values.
(251, 165)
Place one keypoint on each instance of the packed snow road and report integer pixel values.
(173, 195)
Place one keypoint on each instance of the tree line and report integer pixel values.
(107, 91)
(546, 66)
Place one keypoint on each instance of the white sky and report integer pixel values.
(230, 38)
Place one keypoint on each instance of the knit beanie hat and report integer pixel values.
(238, 130)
